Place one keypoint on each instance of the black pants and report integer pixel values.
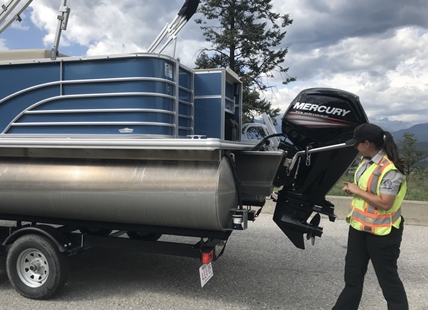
(383, 251)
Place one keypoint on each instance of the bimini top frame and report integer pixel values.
(171, 30)
(7, 9)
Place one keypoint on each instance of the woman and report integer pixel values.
(376, 224)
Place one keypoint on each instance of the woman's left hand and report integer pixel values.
(350, 188)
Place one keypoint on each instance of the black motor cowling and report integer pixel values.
(316, 125)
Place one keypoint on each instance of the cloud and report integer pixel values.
(322, 23)
(3, 44)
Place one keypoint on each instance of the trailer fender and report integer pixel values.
(58, 238)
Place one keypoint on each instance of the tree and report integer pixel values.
(409, 154)
(245, 37)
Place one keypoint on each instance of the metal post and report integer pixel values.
(62, 25)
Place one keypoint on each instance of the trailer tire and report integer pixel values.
(143, 236)
(35, 267)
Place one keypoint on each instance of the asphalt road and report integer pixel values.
(260, 269)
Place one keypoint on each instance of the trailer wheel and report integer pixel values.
(96, 231)
(35, 267)
(143, 236)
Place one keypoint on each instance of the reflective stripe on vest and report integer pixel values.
(369, 218)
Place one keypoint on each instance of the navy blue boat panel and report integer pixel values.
(157, 87)
(185, 95)
(119, 67)
(184, 109)
(184, 132)
(208, 84)
(15, 78)
(184, 122)
(148, 83)
(98, 117)
(12, 108)
(112, 102)
(185, 78)
(93, 129)
(230, 91)
(207, 117)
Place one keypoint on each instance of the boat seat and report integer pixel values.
(6, 55)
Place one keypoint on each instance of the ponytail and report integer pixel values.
(391, 151)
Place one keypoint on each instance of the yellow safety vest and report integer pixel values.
(365, 217)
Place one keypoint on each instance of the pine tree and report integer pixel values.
(409, 153)
(246, 36)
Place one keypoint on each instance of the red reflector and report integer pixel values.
(207, 257)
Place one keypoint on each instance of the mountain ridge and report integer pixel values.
(419, 130)
(397, 128)
(391, 126)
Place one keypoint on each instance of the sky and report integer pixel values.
(376, 49)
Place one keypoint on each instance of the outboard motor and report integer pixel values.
(316, 125)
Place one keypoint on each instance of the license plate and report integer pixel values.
(206, 273)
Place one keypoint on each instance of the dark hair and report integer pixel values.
(387, 143)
